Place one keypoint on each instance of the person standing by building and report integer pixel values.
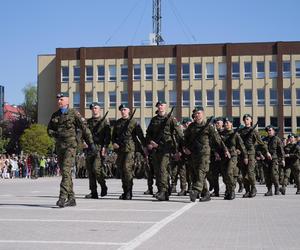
(63, 126)
(126, 132)
(95, 163)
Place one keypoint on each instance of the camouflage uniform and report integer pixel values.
(62, 127)
(94, 163)
(125, 135)
(160, 130)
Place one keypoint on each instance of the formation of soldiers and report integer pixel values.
(196, 151)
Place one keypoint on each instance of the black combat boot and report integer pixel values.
(253, 192)
(61, 202)
(173, 189)
(193, 195)
(149, 191)
(163, 196)
(282, 190)
(123, 196)
(269, 193)
(206, 197)
(226, 195)
(92, 195)
(298, 191)
(232, 195)
(182, 192)
(276, 190)
(215, 194)
(241, 188)
(71, 202)
(103, 190)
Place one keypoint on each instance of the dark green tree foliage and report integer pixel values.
(36, 139)
(30, 103)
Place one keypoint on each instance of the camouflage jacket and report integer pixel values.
(275, 147)
(233, 141)
(63, 127)
(100, 130)
(126, 139)
(293, 151)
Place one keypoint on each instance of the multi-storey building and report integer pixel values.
(262, 79)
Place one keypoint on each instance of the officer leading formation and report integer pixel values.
(197, 152)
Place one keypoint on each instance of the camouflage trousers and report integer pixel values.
(200, 167)
(178, 168)
(296, 173)
(94, 165)
(161, 161)
(66, 160)
(248, 172)
(213, 175)
(125, 162)
(271, 172)
(284, 175)
(228, 170)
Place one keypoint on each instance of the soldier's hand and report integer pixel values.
(269, 156)
(238, 151)
(177, 156)
(283, 163)
(104, 151)
(154, 144)
(187, 151)
(116, 146)
(217, 156)
(227, 154)
(246, 161)
(150, 147)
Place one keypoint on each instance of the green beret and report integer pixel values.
(198, 108)
(123, 106)
(94, 104)
(246, 115)
(228, 119)
(63, 94)
(160, 102)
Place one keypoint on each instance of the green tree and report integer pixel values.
(30, 102)
(36, 139)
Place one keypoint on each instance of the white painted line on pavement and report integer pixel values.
(62, 242)
(155, 228)
(79, 221)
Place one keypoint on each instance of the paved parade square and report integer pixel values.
(29, 219)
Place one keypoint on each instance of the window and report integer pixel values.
(64, 74)
(89, 73)
(247, 70)
(273, 97)
(88, 99)
(148, 72)
(210, 98)
(100, 98)
(112, 73)
(222, 71)
(76, 100)
(185, 98)
(148, 99)
(209, 71)
(160, 95)
(261, 122)
(112, 99)
(235, 70)
(147, 121)
(274, 121)
(273, 69)
(222, 97)
(136, 99)
(287, 97)
(298, 97)
(298, 122)
(288, 124)
(173, 98)
(136, 72)
(160, 72)
(172, 72)
(235, 97)
(76, 70)
(286, 69)
(198, 98)
(297, 69)
(124, 98)
(236, 122)
(185, 71)
(260, 97)
(124, 72)
(198, 71)
(101, 72)
(248, 97)
(260, 70)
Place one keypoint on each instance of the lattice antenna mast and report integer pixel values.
(156, 19)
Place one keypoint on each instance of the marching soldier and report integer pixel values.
(62, 126)
(160, 142)
(198, 138)
(95, 163)
(125, 133)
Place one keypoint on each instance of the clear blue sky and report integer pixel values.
(32, 27)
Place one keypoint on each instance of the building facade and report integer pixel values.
(262, 79)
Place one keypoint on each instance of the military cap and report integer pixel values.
(291, 135)
(198, 108)
(123, 106)
(270, 126)
(160, 102)
(94, 104)
(246, 115)
(228, 119)
(60, 95)
(219, 118)
(186, 120)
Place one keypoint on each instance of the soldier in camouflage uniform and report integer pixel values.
(271, 169)
(95, 163)
(292, 158)
(159, 140)
(125, 133)
(233, 141)
(199, 137)
(62, 126)
(250, 136)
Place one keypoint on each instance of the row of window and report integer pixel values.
(186, 71)
(197, 98)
